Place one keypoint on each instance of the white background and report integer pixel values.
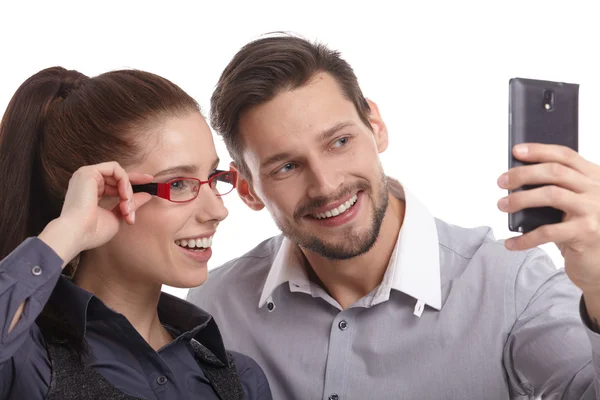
(438, 70)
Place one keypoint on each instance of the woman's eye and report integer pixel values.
(177, 184)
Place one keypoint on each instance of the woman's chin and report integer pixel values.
(188, 280)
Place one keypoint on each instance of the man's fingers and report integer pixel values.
(546, 196)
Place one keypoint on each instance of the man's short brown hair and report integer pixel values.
(267, 66)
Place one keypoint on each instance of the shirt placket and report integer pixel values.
(338, 357)
(160, 377)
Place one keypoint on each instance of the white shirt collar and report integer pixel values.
(414, 267)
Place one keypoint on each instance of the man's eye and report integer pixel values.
(287, 167)
(341, 142)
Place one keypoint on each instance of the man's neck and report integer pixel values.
(347, 281)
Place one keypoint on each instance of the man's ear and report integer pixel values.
(245, 190)
(380, 131)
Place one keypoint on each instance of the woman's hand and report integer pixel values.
(83, 224)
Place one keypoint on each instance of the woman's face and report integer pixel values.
(152, 249)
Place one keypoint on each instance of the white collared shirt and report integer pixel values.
(417, 245)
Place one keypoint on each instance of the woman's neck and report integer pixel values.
(126, 295)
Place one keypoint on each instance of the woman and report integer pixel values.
(75, 154)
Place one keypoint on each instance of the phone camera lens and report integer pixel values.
(548, 99)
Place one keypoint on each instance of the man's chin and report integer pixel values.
(341, 250)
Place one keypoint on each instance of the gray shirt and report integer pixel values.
(457, 316)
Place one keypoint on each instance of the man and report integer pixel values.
(366, 295)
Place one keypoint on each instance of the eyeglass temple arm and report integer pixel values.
(227, 176)
(150, 188)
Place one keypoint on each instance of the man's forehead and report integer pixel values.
(320, 94)
(267, 129)
(294, 118)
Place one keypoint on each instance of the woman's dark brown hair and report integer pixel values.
(60, 120)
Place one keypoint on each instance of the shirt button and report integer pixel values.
(271, 306)
(343, 325)
(37, 270)
(161, 380)
(334, 397)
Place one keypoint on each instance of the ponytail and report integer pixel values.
(23, 202)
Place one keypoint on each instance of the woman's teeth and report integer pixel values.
(203, 243)
(334, 212)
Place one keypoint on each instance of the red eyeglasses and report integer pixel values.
(182, 190)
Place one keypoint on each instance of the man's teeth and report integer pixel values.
(203, 243)
(334, 212)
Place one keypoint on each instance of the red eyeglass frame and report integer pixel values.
(163, 190)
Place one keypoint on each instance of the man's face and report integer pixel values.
(315, 166)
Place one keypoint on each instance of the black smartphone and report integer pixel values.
(540, 112)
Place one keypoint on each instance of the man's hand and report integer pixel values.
(573, 186)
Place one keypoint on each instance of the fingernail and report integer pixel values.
(133, 217)
(503, 180)
(521, 149)
(509, 243)
(129, 207)
(503, 203)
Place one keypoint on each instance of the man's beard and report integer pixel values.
(354, 244)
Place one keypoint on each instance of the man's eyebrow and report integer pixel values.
(276, 158)
(326, 134)
(329, 132)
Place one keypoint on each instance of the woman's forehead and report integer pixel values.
(184, 142)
